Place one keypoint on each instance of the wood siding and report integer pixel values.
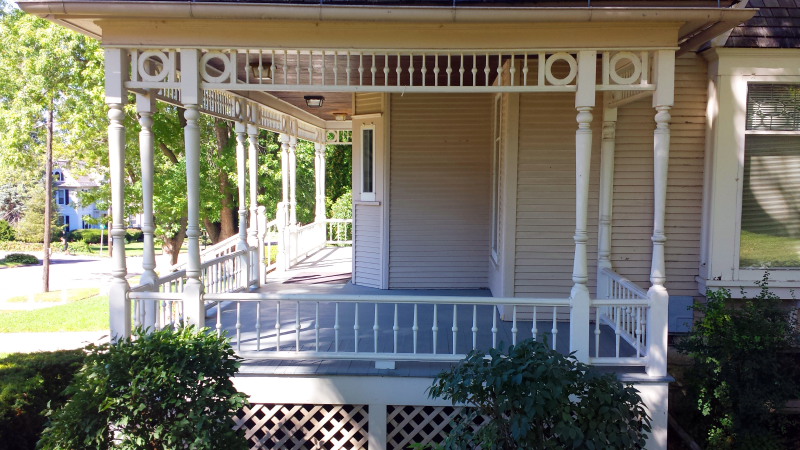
(368, 102)
(546, 196)
(631, 249)
(440, 190)
(367, 246)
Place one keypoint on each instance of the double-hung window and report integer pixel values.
(770, 217)
(368, 164)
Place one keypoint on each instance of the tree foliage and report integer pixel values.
(536, 398)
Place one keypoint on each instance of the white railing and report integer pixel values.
(221, 248)
(391, 70)
(381, 328)
(305, 240)
(271, 238)
(227, 273)
(339, 232)
(623, 306)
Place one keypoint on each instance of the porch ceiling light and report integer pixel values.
(314, 101)
(340, 116)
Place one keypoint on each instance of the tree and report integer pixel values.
(31, 228)
(50, 99)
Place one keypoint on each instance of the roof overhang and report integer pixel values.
(696, 25)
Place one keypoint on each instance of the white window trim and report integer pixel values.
(497, 142)
(368, 196)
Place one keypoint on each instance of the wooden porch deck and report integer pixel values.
(328, 272)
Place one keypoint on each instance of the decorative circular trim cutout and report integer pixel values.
(560, 56)
(166, 65)
(622, 56)
(226, 62)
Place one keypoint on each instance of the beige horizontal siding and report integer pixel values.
(633, 186)
(546, 196)
(440, 182)
(368, 103)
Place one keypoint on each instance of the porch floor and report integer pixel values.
(328, 272)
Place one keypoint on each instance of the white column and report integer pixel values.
(146, 106)
(191, 96)
(607, 149)
(657, 318)
(252, 137)
(116, 69)
(241, 172)
(319, 171)
(292, 181)
(282, 259)
(579, 296)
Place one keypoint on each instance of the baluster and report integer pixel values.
(461, 72)
(474, 69)
(617, 335)
(323, 68)
(375, 329)
(499, 70)
(486, 70)
(525, 71)
(297, 66)
(373, 70)
(399, 69)
(335, 67)
(436, 69)
(512, 70)
(238, 326)
(424, 70)
(278, 327)
(219, 319)
(415, 327)
(435, 327)
(534, 330)
(411, 69)
(395, 328)
(169, 318)
(554, 330)
(386, 69)
(361, 69)
(474, 326)
(316, 325)
(638, 330)
(449, 70)
(514, 328)
(258, 326)
(348, 70)
(246, 72)
(356, 327)
(597, 332)
(540, 63)
(494, 328)
(455, 327)
(645, 67)
(336, 329)
(297, 327)
(272, 66)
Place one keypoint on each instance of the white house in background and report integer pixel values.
(67, 188)
(562, 169)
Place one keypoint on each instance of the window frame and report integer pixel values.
(368, 195)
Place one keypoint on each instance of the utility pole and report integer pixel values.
(48, 195)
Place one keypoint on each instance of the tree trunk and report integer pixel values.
(228, 212)
(172, 245)
(48, 196)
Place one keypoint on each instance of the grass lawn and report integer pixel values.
(763, 250)
(132, 249)
(89, 314)
(7, 265)
(69, 295)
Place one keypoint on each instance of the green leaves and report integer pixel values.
(536, 398)
(169, 389)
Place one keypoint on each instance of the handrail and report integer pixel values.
(225, 245)
(624, 283)
(420, 299)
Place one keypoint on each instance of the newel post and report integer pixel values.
(241, 176)
(580, 299)
(657, 318)
(146, 106)
(191, 96)
(116, 70)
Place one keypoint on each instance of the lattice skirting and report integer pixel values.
(408, 425)
(306, 427)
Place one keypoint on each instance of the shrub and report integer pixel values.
(342, 208)
(537, 398)
(21, 258)
(88, 236)
(7, 231)
(741, 371)
(170, 389)
(28, 382)
(133, 235)
(79, 247)
(16, 246)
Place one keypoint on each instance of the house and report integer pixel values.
(71, 213)
(560, 170)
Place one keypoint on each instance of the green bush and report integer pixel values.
(742, 371)
(342, 208)
(28, 382)
(537, 398)
(21, 258)
(88, 236)
(170, 389)
(133, 235)
(7, 232)
(79, 247)
(16, 246)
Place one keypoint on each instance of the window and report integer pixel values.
(58, 176)
(62, 197)
(496, 148)
(368, 164)
(63, 221)
(770, 220)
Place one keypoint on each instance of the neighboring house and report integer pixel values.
(71, 213)
(565, 171)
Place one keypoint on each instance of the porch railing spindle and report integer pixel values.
(219, 319)
(449, 70)
(375, 329)
(336, 328)
(398, 69)
(474, 70)
(297, 327)
(494, 328)
(435, 326)
(455, 327)
(474, 327)
(356, 327)
(373, 70)
(486, 70)
(395, 327)
(386, 69)
(415, 326)
(436, 69)
(525, 71)
(534, 330)
(597, 332)
(514, 328)
(554, 330)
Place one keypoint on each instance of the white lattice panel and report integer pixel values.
(296, 427)
(408, 425)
